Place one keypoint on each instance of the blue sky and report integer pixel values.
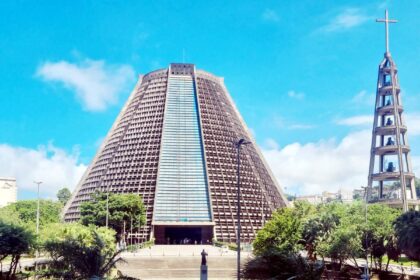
(302, 73)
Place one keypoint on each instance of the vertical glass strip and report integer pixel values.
(182, 192)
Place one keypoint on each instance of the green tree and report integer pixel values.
(14, 241)
(277, 245)
(335, 230)
(340, 232)
(303, 209)
(344, 243)
(9, 215)
(407, 229)
(282, 266)
(281, 234)
(357, 196)
(124, 210)
(25, 212)
(392, 250)
(318, 229)
(63, 195)
(81, 252)
(379, 231)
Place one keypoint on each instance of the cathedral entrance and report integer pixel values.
(176, 235)
(190, 235)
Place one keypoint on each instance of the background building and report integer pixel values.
(342, 195)
(8, 191)
(345, 196)
(312, 199)
(173, 144)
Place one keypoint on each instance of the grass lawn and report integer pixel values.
(403, 260)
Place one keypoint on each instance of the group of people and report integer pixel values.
(186, 240)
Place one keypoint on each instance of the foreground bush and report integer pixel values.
(282, 266)
(80, 252)
(14, 241)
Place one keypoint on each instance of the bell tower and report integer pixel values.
(391, 177)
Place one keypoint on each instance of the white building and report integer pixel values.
(312, 199)
(8, 191)
(342, 195)
(345, 196)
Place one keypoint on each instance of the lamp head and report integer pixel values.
(241, 142)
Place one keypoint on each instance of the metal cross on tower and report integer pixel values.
(386, 21)
(391, 177)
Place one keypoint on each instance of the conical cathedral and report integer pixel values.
(391, 177)
(173, 144)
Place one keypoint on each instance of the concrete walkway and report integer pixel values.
(180, 262)
(183, 262)
(413, 271)
(182, 250)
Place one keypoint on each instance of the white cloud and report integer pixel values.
(271, 144)
(282, 123)
(413, 124)
(349, 18)
(362, 120)
(270, 15)
(416, 165)
(412, 121)
(301, 126)
(49, 164)
(328, 164)
(296, 95)
(324, 165)
(96, 84)
(364, 98)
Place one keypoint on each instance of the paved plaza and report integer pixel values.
(180, 262)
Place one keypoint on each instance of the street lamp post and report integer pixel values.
(107, 207)
(238, 145)
(37, 207)
(37, 221)
(366, 237)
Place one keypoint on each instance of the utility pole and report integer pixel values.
(37, 222)
(107, 207)
(37, 207)
(366, 236)
(238, 145)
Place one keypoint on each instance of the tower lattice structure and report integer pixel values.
(391, 177)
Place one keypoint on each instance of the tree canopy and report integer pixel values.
(277, 247)
(14, 241)
(335, 230)
(81, 252)
(23, 212)
(124, 209)
(407, 228)
(63, 195)
(280, 234)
